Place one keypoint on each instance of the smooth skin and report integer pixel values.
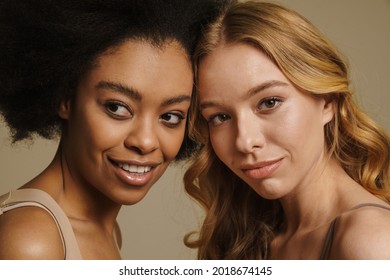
(271, 134)
(123, 128)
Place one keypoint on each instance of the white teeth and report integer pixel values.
(134, 168)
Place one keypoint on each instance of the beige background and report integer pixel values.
(153, 229)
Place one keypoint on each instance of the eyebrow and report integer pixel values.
(176, 100)
(134, 94)
(264, 86)
(118, 87)
(251, 92)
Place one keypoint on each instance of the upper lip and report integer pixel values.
(248, 166)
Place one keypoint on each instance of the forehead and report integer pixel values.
(145, 67)
(145, 54)
(235, 67)
(237, 55)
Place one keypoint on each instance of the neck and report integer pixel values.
(79, 200)
(317, 200)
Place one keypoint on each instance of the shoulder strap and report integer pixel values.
(329, 236)
(328, 240)
(39, 198)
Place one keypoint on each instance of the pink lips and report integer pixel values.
(134, 179)
(262, 169)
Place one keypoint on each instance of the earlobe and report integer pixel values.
(64, 109)
(328, 112)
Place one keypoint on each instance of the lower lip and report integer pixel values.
(133, 179)
(262, 172)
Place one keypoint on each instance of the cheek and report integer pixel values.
(292, 130)
(92, 133)
(171, 141)
(221, 142)
(100, 131)
(301, 133)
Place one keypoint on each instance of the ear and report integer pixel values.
(328, 111)
(64, 109)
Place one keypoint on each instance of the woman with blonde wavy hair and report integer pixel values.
(289, 166)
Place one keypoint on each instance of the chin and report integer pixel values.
(129, 197)
(130, 200)
(270, 191)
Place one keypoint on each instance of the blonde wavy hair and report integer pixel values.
(239, 224)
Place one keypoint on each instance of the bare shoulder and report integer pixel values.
(29, 233)
(363, 233)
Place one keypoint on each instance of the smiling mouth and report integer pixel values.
(133, 168)
(134, 173)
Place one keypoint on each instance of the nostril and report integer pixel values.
(142, 150)
(143, 138)
(137, 150)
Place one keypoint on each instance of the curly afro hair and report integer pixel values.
(48, 45)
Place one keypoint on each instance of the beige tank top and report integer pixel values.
(38, 198)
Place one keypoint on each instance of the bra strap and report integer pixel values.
(41, 199)
(329, 236)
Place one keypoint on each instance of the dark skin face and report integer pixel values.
(123, 128)
(127, 121)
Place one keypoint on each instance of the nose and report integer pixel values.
(143, 137)
(250, 135)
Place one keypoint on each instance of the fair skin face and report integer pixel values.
(270, 133)
(123, 128)
(257, 123)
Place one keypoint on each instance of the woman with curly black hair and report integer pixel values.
(113, 80)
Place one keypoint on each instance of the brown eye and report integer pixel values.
(172, 119)
(118, 109)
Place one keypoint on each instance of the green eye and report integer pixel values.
(269, 103)
(218, 119)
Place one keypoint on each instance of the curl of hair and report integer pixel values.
(47, 46)
(239, 224)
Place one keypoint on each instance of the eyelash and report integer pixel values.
(277, 102)
(180, 117)
(213, 118)
(109, 107)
